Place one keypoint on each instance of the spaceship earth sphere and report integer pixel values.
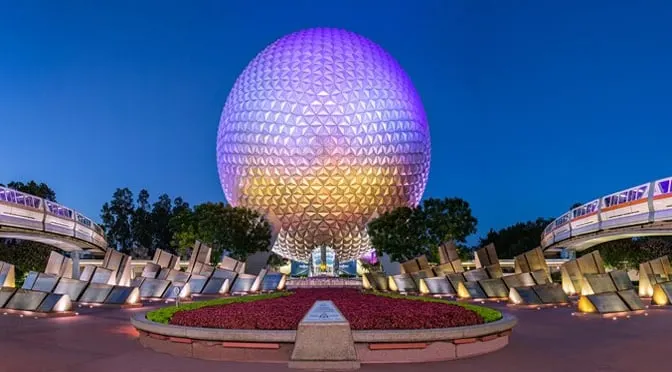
(322, 132)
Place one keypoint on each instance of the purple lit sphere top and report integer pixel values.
(323, 131)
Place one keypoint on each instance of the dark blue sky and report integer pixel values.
(531, 106)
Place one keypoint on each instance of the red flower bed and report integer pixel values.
(363, 311)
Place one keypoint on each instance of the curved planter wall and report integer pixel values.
(373, 346)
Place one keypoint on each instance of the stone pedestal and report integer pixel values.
(324, 340)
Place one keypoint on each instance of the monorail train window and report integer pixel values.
(83, 220)
(27, 200)
(20, 199)
(642, 191)
(663, 185)
(60, 210)
(607, 201)
(10, 197)
(562, 220)
(622, 198)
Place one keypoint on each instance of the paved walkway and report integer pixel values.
(545, 340)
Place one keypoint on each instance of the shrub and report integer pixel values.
(363, 311)
(488, 314)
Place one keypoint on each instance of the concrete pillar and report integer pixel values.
(75, 264)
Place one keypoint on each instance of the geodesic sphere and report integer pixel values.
(322, 131)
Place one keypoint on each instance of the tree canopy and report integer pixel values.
(447, 219)
(236, 230)
(41, 189)
(117, 216)
(626, 254)
(404, 233)
(400, 233)
(516, 239)
(139, 227)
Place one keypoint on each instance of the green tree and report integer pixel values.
(42, 189)
(465, 253)
(248, 232)
(142, 227)
(400, 233)
(626, 254)
(654, 247)
(621, 254)
(25, 255)
(448, 219)
(575, 205)
(162, 211)
(516, 239)
(405, 233)
(239, 231)
(117, 216)
(181, 225)
(139, 226)
(209, 225)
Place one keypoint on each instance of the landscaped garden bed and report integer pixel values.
(364, 311)
(387, 328)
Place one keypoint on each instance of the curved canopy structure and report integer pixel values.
(642, 210)
(28, 217)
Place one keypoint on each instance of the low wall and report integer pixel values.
(373, 346)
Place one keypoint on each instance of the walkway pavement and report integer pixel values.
(545, 340)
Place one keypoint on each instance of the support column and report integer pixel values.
(75, 264)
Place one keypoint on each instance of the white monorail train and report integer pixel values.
(18, 209)
(646, 203)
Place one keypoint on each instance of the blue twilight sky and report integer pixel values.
(533, 105)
